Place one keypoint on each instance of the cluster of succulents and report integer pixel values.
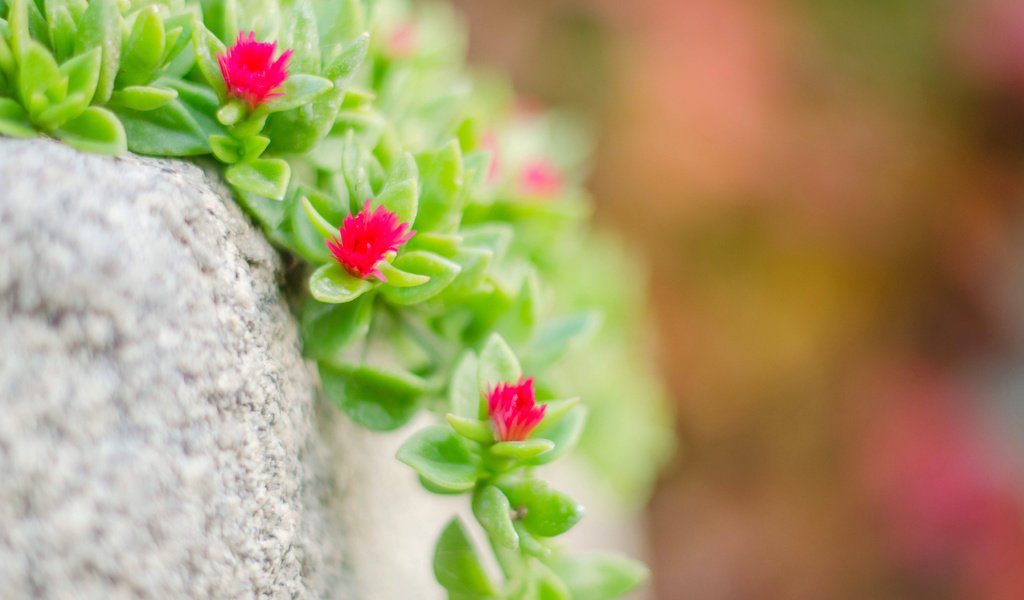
(430, 218)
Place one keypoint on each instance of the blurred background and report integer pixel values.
(828, 194)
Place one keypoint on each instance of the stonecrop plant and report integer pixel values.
(439, 231)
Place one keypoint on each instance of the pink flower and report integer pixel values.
(513, 411)
(540, 178)
(250, 72)
(365, 239)
(403, 40)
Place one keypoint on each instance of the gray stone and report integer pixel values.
(158, 436)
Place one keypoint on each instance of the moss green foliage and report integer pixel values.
(501, 276)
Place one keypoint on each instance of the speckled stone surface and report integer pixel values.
(157, 434)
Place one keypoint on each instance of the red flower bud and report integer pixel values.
(366, 238)
(513, 410)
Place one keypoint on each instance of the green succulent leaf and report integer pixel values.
(496, 237)
(418, 262)
(300, 34)
(494, 513)
(346, 63)
(264, 176)
(222, 17)
(63, 29)
(378, 399)
(471, 429)
(548, 586)
(523, 450)
(59, 113)
(297, 90)
(170, 130)
(100, 27)
(440, 198)
(82, 73)
(396, 277)
(553, 339)
(327, 329)
(473, 263)
(308, 241)
(445, 244)
(458, 567)
(332, 284)
(564, 432)
(207, 48)
(226, 149)
(40, 81)
(95, 130)
(321, 224)
(498, 364)
(548, 513)
(232, 113)
(441, 457)
(14, 120)
(401, 199)
(142, 98)
(599, 576)
(464, 397)
(300, 130)
(144, 50)
(556, 409)
(531, 544)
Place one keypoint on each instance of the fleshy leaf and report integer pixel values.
(142, 98)
(14, 120)
(40, 81)
(556, 337)
(600, 576)
(322, 225)
(440, 270)
(548, 586)
(226, 149)
(349, 60)
(297, 90)
(264, 176)
(457, 565)
(441, 457)
(564, 432)
(95, 130)
(207, 48)
(492, 509)
(377, 399)
(464, 397)
(399, 278)
(440, 198)
(498, 364)
(328, 328)
(144, 49)
(473, 429)
(547, 512)
(523, 450)
(332, 284)
(400, 198)
(83, 73)
(100, 27)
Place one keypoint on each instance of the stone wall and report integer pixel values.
(157, 433)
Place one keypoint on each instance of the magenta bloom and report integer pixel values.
(540, 178)
(403, 40)
(365, 239)
(250, 71)
(513, 410)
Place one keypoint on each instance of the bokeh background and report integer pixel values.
(828, 194)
